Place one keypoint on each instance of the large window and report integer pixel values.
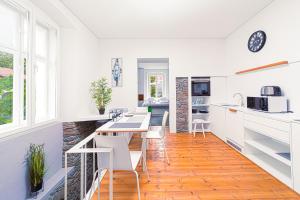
(13, 53)
(27, 68)
(156, 85)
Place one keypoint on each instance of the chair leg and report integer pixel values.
(98, 185)
(145, 164)
(165, 150)
(195, 127)
(202, 125)
(94, 179)
(138, 184)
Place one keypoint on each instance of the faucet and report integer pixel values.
(241, 97)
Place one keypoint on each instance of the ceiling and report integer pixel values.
(164, 18)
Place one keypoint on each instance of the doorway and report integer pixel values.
(153, 86)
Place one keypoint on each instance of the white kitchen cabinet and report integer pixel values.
(295, 149)
(234, 126)
(218, 121)
(218, 88)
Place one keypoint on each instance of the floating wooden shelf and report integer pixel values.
(272, 65)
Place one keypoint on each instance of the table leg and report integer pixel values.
(66, 176)
(144, 151)
(111, 176)
(81, 175)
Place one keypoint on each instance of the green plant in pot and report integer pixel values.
(36, 166)
(101, 93)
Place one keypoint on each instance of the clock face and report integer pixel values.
(257, 41)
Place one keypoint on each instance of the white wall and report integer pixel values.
(79, 60)
(280, 21)
(197, 57)
(14, 172)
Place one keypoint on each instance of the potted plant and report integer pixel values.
(36, 166)
(101, 93)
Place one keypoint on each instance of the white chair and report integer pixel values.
(141, 110)
(123, 159)
(201, 122)
(158, 132)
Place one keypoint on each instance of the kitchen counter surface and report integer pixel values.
(285, 117)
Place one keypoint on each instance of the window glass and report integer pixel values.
(41, 41)
(45, 84)
(41, 91)
(156, 85)
(13, 24)
(9, 21)
(6, 87)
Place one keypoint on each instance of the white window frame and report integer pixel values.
(18, 72)
(164, 84)
(34, 16)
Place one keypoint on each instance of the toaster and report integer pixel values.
(270, 91)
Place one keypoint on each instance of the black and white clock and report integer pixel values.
(257, 41)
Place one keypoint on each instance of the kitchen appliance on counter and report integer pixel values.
(272, 104)
(270, 91)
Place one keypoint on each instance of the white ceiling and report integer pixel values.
(164, 18)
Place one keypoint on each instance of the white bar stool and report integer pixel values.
(200, 122)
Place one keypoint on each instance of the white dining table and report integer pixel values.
(137, 123)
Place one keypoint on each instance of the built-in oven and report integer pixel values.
(201, 87)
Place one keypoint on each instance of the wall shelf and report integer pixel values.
(268, 66)
(200, 114)
(271, 148)
(278, 170)
(200, 105)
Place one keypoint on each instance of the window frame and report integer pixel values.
(34, 15)
(18, 68)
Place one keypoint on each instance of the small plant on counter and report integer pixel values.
(101, 93)
(36, 166)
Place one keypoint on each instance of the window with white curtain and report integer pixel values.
(27, 68)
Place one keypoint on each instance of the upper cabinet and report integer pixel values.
(218, 89)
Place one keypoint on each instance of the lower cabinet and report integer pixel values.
(270, 143)
(218, 121)
(235, 127)
(295, 149)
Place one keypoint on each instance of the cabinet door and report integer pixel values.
(235, 128)
(218, 89)
(217, 118)
(295, 149)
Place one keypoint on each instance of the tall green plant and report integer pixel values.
(36, 163)
(101, 92)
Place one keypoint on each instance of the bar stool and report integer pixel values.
(200, 122)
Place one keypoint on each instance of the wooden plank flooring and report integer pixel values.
(200, 168)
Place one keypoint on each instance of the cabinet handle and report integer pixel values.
(232, 110)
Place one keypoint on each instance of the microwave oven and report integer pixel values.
(273, 104)
(201, 87)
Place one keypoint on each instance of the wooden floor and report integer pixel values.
(200, 168)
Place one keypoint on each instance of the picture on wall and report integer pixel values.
(116, 72)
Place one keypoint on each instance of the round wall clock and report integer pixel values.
(257, 41)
